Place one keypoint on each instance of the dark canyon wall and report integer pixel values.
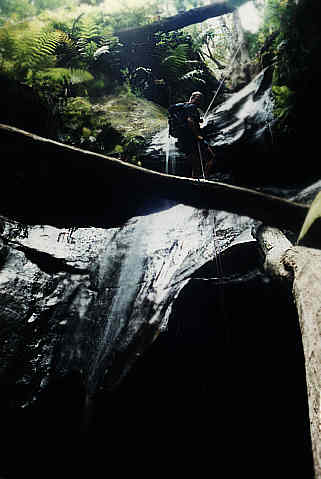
(150, 337)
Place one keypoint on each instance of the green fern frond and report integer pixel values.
(194, 75)
(176, 59)
(87, 29)
(180, 53)
(8, 44)
(73, 75)
(80, 76)
(44, 46)
(63, 37)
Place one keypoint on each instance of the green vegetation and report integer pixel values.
(68, 53)
(179, 65)
(285, 42)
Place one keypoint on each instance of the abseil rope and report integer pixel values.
(209, 107)
(201, 158)
(220, 285)
(217, 257)
(221, 83)
(204, 117)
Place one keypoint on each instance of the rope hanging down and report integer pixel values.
(216, 255)
(201, 159)
(209, 107)
(204, 118)
(221, 83)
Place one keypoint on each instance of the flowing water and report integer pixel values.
(225, 369)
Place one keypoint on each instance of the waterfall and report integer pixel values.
(167, 154)
(164, 323)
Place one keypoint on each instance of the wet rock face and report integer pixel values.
(238, 130)
(91, 299)
(45, 291)
(134, 331)
(81, 307)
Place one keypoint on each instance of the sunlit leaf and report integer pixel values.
(313, 214)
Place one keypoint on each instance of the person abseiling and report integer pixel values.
(184, 124)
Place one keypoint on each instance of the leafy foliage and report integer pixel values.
(44, 46)
(176, 59)
(8, 47)
(212, 41)
(134, 17)
(277, 42)
(283, 105)
(73, 76)
(179, 63)
(18, 9)
(84, 127)
(73, 53)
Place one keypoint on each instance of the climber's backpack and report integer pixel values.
(177, 118)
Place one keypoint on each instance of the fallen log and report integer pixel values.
(301, 267)
(176, 22)
(50, 182)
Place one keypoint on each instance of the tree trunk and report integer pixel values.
(181, 20)
(64, 180)
(301, 266)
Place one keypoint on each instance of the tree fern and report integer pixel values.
(8, 46)
(74, 76)
(88, 29)
(178, 65)
(88, 40)
(42, 60)
(44, 46)
(15, 51)
(176, 59)
(79, 76)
